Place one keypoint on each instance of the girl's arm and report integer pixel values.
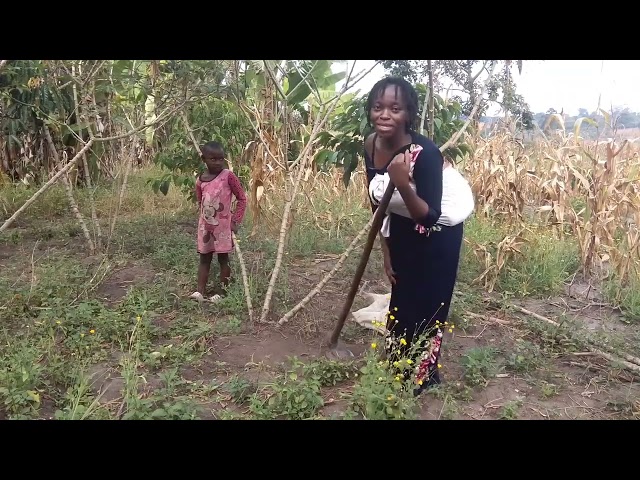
(198, 191)
(241, 198)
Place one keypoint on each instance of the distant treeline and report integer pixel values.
(618, 120)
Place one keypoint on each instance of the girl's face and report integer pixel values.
(389, 113)
(214, 160)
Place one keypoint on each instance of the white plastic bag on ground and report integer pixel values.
(375, 312)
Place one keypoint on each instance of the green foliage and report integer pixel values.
(411, 70)
(447, 121)
(480, 364)
(381, 392)
(343, 142)
(291, 398)
(29, 99)
(218, 120)
(328, 372)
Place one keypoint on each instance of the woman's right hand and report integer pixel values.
(388, 270)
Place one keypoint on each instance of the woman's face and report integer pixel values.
(389, 114)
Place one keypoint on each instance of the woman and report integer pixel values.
(420, 257)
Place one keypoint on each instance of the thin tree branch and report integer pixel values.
(248, 114)
(453, 140)
(303, 157)
(287, 316)
(474, 78)
(7, 223)
(72, 201)
(273, 79)
(304, 78)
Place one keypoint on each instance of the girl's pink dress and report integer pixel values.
(214, 225)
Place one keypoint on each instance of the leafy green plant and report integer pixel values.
(510, 410)
(380, 393)
(219, 120)
(526, 357)
(240, 389)
(291, 398)
(329, 372)
(342, 143)
(480, 364)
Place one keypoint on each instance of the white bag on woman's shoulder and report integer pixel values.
(457, 198)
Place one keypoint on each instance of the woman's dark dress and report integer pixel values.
(425, 265)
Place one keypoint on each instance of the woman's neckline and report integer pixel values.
(395, 152)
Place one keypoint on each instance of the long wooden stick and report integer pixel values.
(87, 173)
(364, 259)
(285, 318)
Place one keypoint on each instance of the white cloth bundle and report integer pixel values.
(457, 197)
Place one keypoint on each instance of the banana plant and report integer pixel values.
(29, 98)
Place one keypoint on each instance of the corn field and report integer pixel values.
(589, 192)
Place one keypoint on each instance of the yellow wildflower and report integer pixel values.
(138, 318)
(419, 382)
(439, 366)
(403, 341)
(92, 331)
(395, 309)
(81, 335)
(58, 322)
(374, 345)
(392, 317)
(409, 361)
(450, 330)
(396, 364)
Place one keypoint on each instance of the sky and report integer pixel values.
(559, 84)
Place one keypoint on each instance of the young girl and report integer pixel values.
(214, 191)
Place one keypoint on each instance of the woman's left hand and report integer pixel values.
(399, 169)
